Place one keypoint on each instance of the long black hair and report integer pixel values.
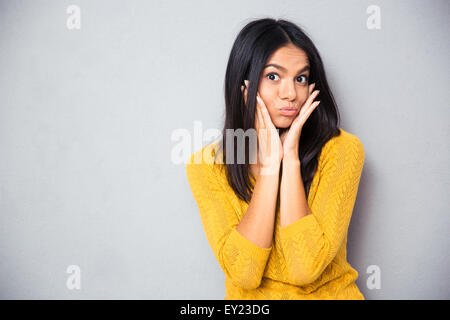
(253, 46)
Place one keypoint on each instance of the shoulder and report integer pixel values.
(206, 161)
(344, 147)
(207, 155)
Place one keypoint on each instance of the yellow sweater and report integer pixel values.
(307, 259)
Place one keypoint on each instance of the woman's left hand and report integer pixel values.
(291, 138)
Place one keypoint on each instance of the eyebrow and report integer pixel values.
(305, 68)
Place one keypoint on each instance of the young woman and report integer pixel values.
(278, 225)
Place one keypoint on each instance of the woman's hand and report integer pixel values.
(290, 139)
(270, 148)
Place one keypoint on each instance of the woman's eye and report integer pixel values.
(306, 78)
(272, 76)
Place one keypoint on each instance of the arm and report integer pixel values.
(257, 225)
(310, 241)
(241, 260)
(293, 203)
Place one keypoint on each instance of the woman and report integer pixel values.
(278, 222)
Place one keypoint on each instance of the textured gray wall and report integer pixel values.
(86, 118)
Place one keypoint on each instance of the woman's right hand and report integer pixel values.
(270, 148)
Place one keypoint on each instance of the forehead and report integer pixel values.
(289, 56)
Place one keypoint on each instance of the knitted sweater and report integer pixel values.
(308, 258)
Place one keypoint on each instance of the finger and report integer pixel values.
(311, 109)
(311, 88)
(308, 102)
(297, 120)
(265, 113)
(246, 82)
(268, 125)
(297, 124)
(308, 112)
(260, 116)
(244, 92)
(259, 107)
(312, 96)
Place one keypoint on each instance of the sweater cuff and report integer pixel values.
(249, 248)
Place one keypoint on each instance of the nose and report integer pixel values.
(287, 91)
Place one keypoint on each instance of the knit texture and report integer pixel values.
(308, 258)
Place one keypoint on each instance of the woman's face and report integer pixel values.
(284, 83)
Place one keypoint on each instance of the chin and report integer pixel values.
(283, 123)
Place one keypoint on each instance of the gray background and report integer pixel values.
(86, 118)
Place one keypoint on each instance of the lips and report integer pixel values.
(288, 111)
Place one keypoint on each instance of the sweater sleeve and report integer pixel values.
(241, 260)
(310, 243)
